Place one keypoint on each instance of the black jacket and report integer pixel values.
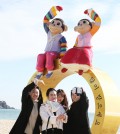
(27, 106)
(78, 121)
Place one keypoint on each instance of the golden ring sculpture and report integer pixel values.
(96, 80)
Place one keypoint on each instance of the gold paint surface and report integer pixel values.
(99, 82)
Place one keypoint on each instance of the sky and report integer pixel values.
(22, 38)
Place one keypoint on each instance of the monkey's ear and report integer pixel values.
(75, 28)
(66, 28)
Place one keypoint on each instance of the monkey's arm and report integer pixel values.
(94, 16)
(63, 46)
(50, 15)
(76, 42)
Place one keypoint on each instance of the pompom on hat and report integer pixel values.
(77, 90)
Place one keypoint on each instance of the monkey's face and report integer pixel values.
(83, 26)
(55, 26)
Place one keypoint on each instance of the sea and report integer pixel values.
(12, 114)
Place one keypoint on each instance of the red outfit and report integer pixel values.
(78, 55)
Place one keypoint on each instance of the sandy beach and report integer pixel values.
(111, 125)
(5, 126)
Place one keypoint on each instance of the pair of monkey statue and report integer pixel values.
(78, 58)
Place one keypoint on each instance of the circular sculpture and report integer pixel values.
(94, 83)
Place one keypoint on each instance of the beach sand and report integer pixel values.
(111, 125)
(5, 126)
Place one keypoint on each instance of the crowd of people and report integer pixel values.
(53, 116)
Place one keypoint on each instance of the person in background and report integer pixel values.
(29, 120)
(52, 114)
(78, 121)
(62, 99)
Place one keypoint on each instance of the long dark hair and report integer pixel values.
(64, 103)
(84, 101)
(40, 98)
(26, 96)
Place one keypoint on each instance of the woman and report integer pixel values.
(52, 114)
(29, 120)
(78, 121)
(62, 99)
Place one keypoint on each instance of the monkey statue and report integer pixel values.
(56, 43)
(79, 58)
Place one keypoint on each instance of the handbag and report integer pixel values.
(47, 125)
(45, 131)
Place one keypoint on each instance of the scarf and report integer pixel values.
(54, 105)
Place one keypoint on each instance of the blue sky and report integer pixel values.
(22, 38)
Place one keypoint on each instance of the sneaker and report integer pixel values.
(38, 76)
(48, 75)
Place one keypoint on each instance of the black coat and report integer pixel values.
(27, 106)
(78, 122)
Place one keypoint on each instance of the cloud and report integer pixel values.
(22, 34)
(107, 39)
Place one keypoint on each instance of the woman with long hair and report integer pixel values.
(29, 120)
(78, 120)
(62, 98)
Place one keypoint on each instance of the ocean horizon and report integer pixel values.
(12, 114)
(9, 114)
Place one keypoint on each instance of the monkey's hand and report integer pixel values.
(88, 11)
(36, 81)
(97, 20)
(59, 8)
(52, 13)
(91, 13)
